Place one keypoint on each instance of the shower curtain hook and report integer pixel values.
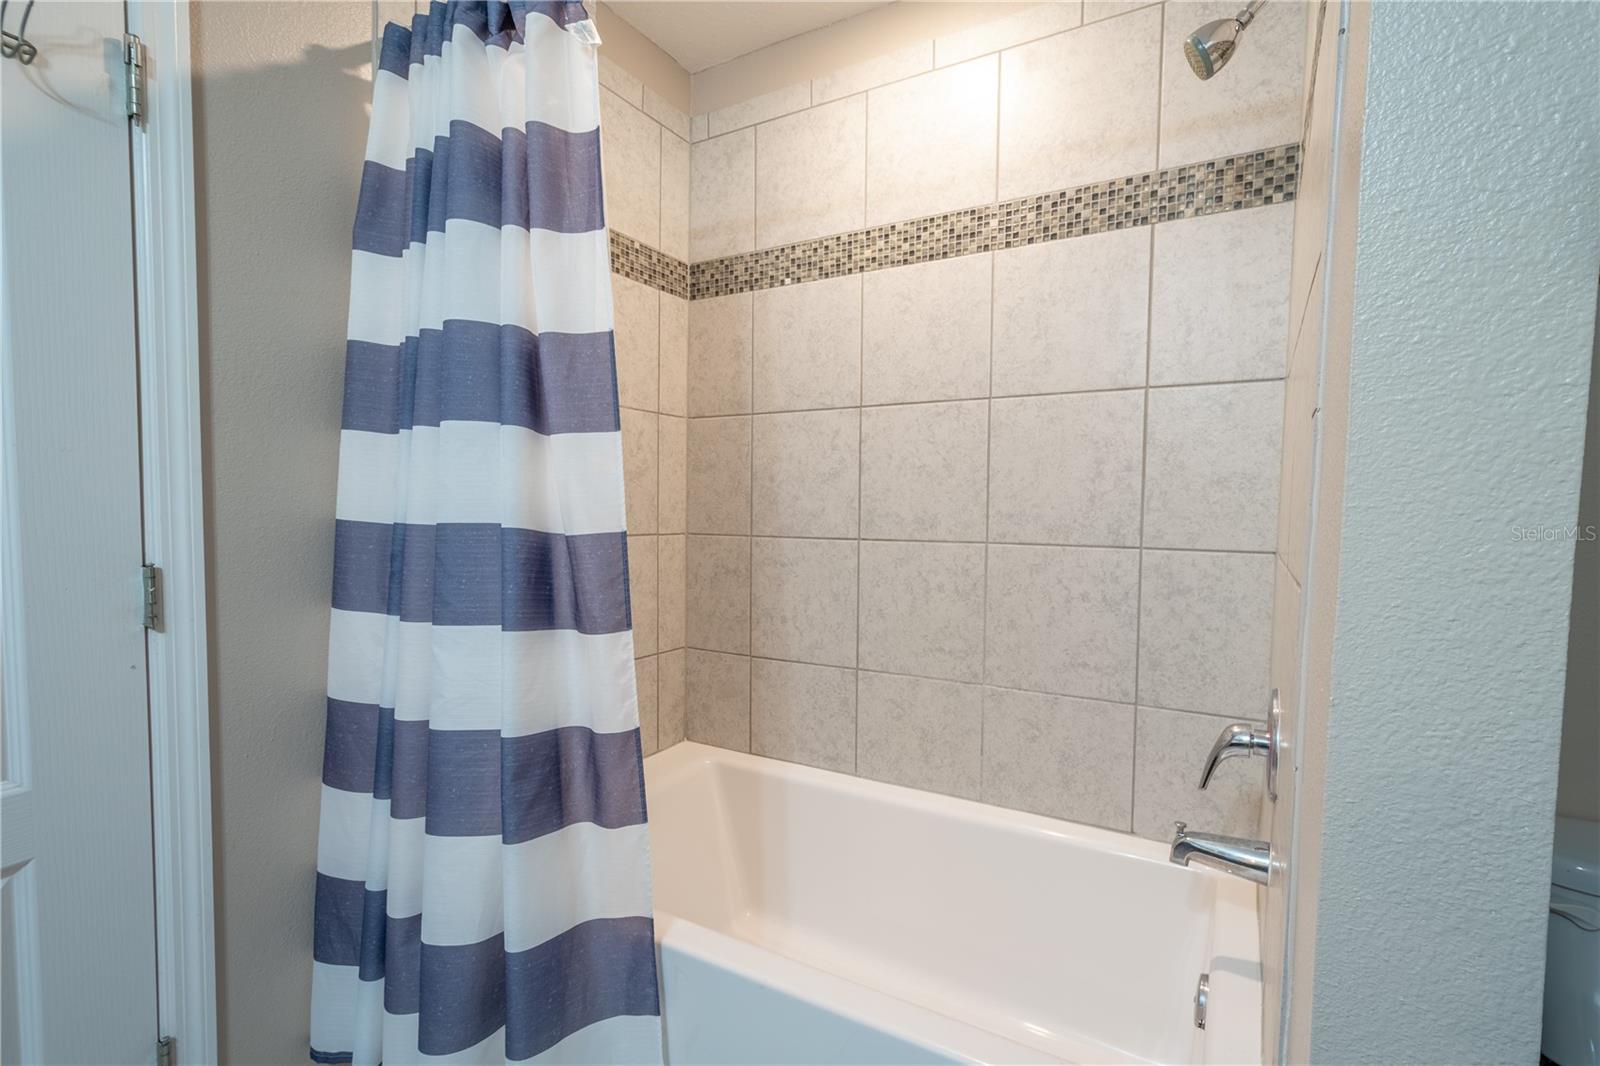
(16, 45)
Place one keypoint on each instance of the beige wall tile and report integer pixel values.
(805, 480)
(1256, 103)
(761, 108)
(674, 386)
(1299, 442)
(1205, 632)
(719, 475)
(1211, 467)
(630, 154)
(672, 482)
(914, 58)
(803, 713)
(674, 195)
(1169, 750)
(922, 609)
(657, 107)
(1283, 673)
(808, 345)
(1095, 10)
(637, 323)
(718, 593)
(1059, 756)
(718, 698)
(1035, 21)
(924, 471)
(811, 173)
(647, 675)
(1080, 107)
(1067, 469)
(672, 592)
(1063, 620)
(621, 82)
(719, 355)
(642, 592)
(722, 195)
(803, 600)
(1219, 298)
(946, 115)
(670, 698)
(699, 128)
(639, 469)
(1072, 314)
(925, 331)
(920, 733)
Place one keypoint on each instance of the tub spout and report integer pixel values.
(1249, 859)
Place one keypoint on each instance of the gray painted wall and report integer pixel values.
(1468, 363)
(280, 124)
(1579, 792)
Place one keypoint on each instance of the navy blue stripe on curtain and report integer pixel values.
(466, 992)
(516, 788)
(478, 372)
(482, 178)
(477, 574)
(496, 23)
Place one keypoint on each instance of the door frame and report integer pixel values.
(170, 443)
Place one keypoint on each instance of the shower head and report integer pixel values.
(1210, 47)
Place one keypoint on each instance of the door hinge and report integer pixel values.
(150, 596)
(133, 75)
(164, 1051)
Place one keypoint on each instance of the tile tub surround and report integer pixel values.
(971, 505)
(1048, 588)
(646, 172)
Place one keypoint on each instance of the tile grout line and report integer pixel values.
(861, 424)
(988, 452)
(750, 608)
(1144, 446)
(978, 684)
(1001, 396)
(1256, 552)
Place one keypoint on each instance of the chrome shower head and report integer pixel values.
(1210, 47)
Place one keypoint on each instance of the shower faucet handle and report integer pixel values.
(1244, 738)
(1241, 738)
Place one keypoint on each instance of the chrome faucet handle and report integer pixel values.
(1237, 739)
(1243, 738)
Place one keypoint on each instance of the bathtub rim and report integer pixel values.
(1233, 1031)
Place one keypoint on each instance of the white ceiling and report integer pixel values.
(701, 35)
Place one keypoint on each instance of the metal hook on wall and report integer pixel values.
(16, 45)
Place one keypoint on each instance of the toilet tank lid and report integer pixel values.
(1575, 861)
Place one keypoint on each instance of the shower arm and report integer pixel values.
(1248, 15)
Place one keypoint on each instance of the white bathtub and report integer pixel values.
(808, 917)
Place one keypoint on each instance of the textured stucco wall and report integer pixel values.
(1469, 355)
(281, 91)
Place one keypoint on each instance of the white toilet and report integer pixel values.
(1572, 962)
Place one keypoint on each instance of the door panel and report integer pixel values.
(77, 904)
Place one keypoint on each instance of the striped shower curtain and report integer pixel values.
(483, 882)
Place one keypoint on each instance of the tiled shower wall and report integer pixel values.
(992, 517)
(645, 149)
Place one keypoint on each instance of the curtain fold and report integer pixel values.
(483, 881)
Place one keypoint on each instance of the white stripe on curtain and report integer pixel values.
(483, 874)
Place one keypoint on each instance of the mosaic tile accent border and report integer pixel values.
(639, 262)
(1231, 183)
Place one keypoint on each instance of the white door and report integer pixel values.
(75, 810)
